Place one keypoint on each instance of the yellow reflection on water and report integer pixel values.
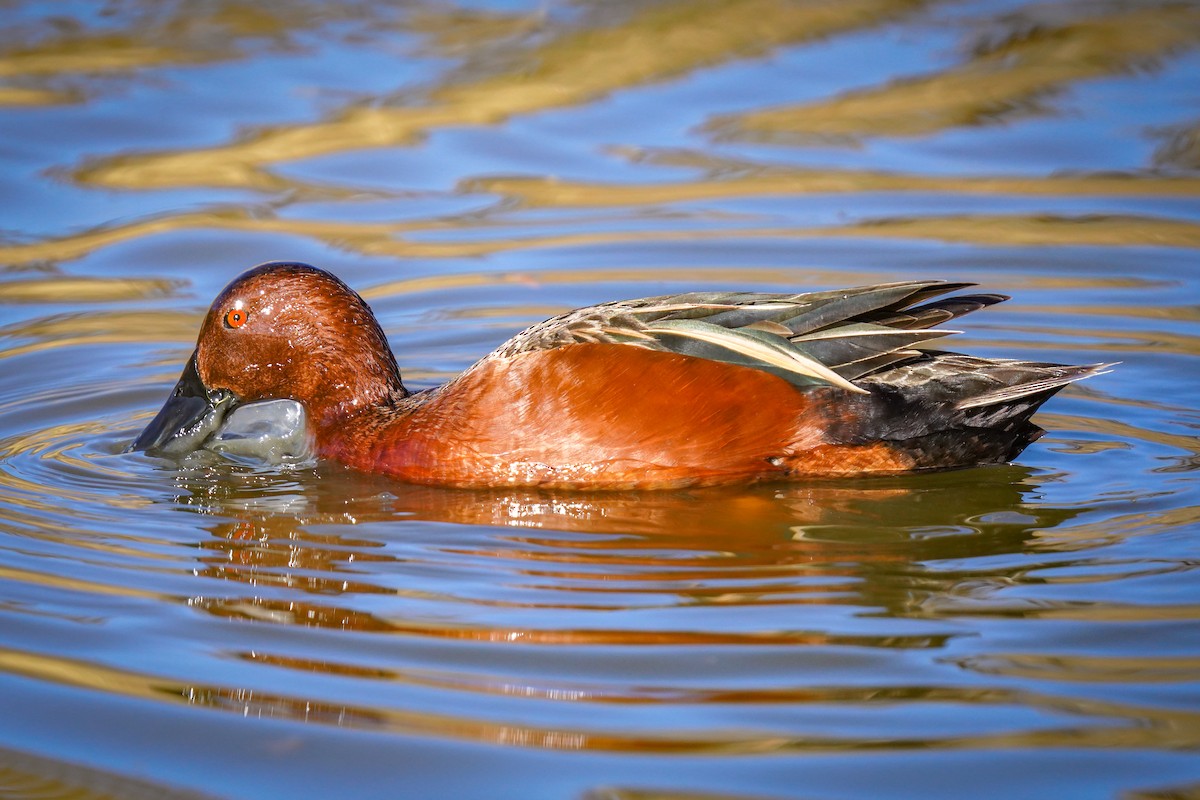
(1146, 726)
(539, 192)
(298, 569)
(73, 584)
(99, 327)
(134, 40)
(99, 54)
(24, 776)
(67, 289)
(1031, 230)
(28, 96)
(573, 66)
(1082, 668)
(1032, 58)
(588, 276)
(397, 240)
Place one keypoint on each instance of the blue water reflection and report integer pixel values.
(214, 630)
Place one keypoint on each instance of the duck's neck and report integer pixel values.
(356, 434)
(336, 391)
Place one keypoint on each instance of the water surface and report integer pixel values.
(207, 629)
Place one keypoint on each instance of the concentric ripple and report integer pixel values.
(323, 596)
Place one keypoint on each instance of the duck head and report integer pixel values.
(281, 331)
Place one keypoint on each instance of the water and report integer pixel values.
(215, 630)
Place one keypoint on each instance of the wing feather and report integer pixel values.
(820, 338)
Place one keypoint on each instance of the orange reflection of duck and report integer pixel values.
(695, 389)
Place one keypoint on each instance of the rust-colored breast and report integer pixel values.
(603, 416)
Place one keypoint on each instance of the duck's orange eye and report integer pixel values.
(236, 318)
